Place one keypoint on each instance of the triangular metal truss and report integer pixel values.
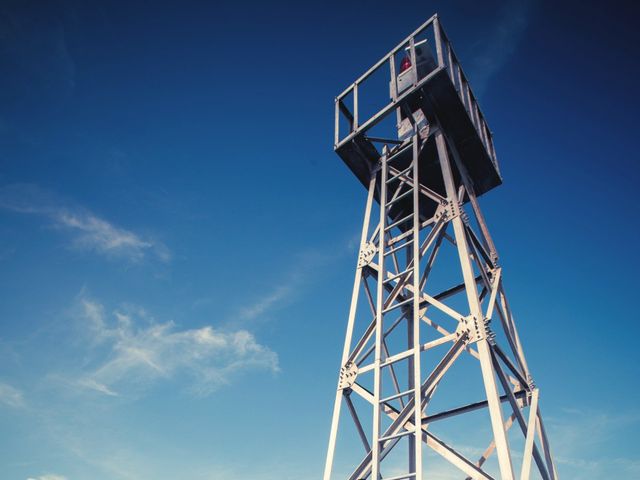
(414, 331)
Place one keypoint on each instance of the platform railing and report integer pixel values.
(461, 84)
(348, 105)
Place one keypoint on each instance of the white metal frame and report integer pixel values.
(397, 284)
(397, 253)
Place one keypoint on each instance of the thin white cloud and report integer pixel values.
(92, 384)
(88, 231)
(580, 440)
(304, 266)
(140, 351)
(11, 396)
(93, 233)
(262, 305)
(48, 476)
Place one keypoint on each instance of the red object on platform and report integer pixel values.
(405, 64)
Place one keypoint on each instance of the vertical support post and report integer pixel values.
(492, 150)
(450, 59)
(493, 396)
(356, 123)
(411, 370)
(394, 81)
(347, 341)
(531, 435)
(379, 336)
(416, 381)
(394, 86)
(336, 136)
(414, 61)
(545, 447)
(467, 94)
(476, 117)
(484, 134)
(438, 37)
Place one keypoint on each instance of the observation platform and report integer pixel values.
(421, 73)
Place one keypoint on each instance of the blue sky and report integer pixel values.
(177, 238)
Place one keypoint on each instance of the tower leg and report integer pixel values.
(348, 338)
(415, 443)
(493, 397)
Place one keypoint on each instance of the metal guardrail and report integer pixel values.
(446, 59)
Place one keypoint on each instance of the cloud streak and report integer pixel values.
(11, 396)
(272, 299)
(88, 231)
(579, 440)
(141, 351)
(304, 266)
(48, 476)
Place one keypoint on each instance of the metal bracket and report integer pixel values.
(448, 211)
(348, 374)
(366, 255)
(475, 329)
(464, 216)
(492, 274)
(494, 259)
(532, 384)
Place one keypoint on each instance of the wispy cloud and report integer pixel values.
(11, 396)
(580, 439)
(499, 45)
(263, 304)
(48, 476)
(302, 269)
(88, 231)
(140, 351)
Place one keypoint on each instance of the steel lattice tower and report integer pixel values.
(428, 303)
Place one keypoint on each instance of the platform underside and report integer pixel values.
(440, 102)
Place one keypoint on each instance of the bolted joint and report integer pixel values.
(494, 259)
(489, 334)
(449, 210)
(462, 332)
(475, 329)
(348, 374)
(531, 384)
(464, 216)
(453, 209)
(366, 255)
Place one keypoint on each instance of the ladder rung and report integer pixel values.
(404, 272)
(396, 435)
(397, 305)
(398, 152)
(396, 358)
(400, 174)
(402, 236)
(397, 395)
(400, 197)
(400, 247)
(401, 477)
(399, 222)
